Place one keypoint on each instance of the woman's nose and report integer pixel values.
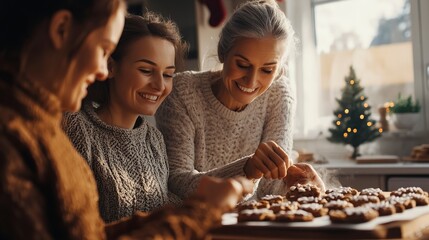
(251, 76)
(158, 82)
(102, 71)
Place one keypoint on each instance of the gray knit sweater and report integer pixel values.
(129, 165)
(203, 137)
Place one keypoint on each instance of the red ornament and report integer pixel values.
(217, 11)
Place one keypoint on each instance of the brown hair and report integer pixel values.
(21, 20)
(136, 27)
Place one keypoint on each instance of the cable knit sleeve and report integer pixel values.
(75, 128)
(279, 125)
(180, 156)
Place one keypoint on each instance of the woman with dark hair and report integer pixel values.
(126, 153)
(47, 191)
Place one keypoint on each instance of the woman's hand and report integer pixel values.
(269, 160)
(223, 193)
(303, 173)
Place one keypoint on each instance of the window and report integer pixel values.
(380, 38)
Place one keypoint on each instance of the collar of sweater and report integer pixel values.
(89, 109)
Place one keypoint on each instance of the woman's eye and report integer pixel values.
(144, 71)
(168, 75)
(268, 70)
(106, 52)
(240, 65)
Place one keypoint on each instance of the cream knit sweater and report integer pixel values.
(203, 137)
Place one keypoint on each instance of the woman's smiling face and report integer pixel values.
(249, 69)
(143, 77)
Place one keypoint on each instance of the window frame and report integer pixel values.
(302, 16)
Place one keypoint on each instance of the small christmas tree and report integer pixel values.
(352, 123)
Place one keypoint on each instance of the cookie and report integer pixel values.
(263, 204)
(363, 199)
(294, 216)
(353, 215)
(346, 191)
(335, 196)
(383, 208)
(401, 203)
(284, 206)
(338, 205)
(373, 192)
(406, 190)
(304, 200)
(302, 190)
(252, 204)
(273, 198)
(255, 215)
(316, 209)
(421, 200)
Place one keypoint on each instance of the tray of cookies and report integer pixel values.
(419, 154)
(305, 212)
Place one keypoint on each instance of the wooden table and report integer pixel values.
(412, 224)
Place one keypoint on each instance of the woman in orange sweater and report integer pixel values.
(50, 51)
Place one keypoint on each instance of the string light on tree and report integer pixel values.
(355, 127)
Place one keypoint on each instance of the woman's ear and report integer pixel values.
(60, 28)
(111, 67)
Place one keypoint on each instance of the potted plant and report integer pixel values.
(405, 112)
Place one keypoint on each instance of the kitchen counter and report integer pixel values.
(348, 166)
(387, 176)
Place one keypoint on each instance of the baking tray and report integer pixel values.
(408, 224)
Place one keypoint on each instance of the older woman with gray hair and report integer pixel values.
(239, 120)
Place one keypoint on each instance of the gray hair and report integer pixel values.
(256, 19)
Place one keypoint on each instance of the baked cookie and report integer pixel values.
(294, 216)
(335, 196)
(406, 190)
(401, 203)
(360, 200)
(255, 215)
(252, 204)
(383, 208)
(302, 190)
(316, 209)
(353, 215)
(273, 198)
(304, 200)
(338, 205)
(346, 191)
(421, 200)
(373, 192)
(284, 206)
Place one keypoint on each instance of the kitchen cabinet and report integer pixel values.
(386, 176)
